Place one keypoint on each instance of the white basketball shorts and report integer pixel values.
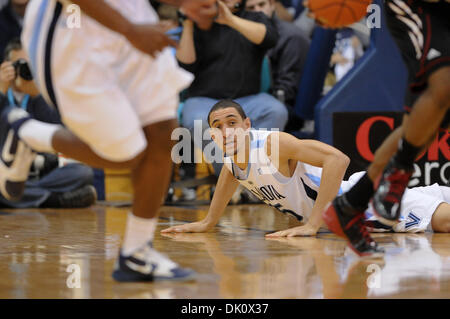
(104, 88)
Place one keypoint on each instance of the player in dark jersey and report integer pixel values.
(421, 30)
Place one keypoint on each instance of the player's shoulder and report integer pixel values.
(282, 142)
(265, 137)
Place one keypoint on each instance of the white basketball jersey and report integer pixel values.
(294, 195)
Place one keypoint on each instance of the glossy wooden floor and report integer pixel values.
(37, 248)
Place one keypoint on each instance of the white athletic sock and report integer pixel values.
(139, 232)
(38, 135)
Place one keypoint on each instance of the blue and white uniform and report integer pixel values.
(296, 195)
(105, 89)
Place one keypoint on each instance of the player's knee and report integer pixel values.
(159, 137)
(154, 145)
(439, 87)
(446, 225)
(126, 153)
(442, 228)
(441, 219)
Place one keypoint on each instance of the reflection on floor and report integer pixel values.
(71, 254)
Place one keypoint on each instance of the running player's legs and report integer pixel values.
(432, 75)
(131, 98)
(426, 52)
(428, 77)
(107, 124)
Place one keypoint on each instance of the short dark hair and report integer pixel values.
(13, 45)
(226, 104)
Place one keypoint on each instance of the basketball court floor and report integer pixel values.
(71, 254)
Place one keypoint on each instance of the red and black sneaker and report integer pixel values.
(349, 223)
(390, 188)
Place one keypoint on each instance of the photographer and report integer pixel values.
(17, 86)
(48, 186)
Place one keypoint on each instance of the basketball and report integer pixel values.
(338, 13)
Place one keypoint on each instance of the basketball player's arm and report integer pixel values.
(225, 188)
(333, 163)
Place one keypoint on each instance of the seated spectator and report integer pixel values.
(11, 20)
(49, 186)
(287, 58)
(348, 49)
(226, 61)
(69, 186)
(20, 91)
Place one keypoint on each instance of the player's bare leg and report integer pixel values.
(383, 153)
(441, 219)
(430, 109)
(151, 179)
(67, 143)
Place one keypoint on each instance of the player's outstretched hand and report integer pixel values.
(306, 230)
(197, 227)
(150, 38)
(203, 12)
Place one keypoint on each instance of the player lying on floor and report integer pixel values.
(299, 177)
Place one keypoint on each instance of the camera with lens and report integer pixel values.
(23, 70)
